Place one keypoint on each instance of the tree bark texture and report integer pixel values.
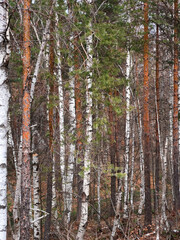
(4, 103)
(50, 162)
(157, 161)
(175, 114)
(112, 148)
(148, 212)
(26, 136)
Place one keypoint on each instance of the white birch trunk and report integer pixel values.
(61, 111)
(142, 186)
(164, 219)
(132, 166)
(39, 58)
(171, 132)
(99, 191)
(127, 136)
(54, 202)
(17, 198)
(36, 191)
(87, 156)
(4, 103)
(61, 104)
(117, 213)
(71, 158)
(11, 143)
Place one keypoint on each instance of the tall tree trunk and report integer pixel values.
(157, 162)
(4, 103)
(112, 157)
(50, 162)
(132, 164)
(127, 136)
(164, 220)
(175, 114)
(36, 190)
(148, 212)
(61, 106)
(26, 136)
(171, 167)
(79, 128)
(142, 185)
(88, 150)
(71, 156)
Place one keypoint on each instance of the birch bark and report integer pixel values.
(36, 191)
(127, 136)
(87, 157)
(175, 113)
(4, 103)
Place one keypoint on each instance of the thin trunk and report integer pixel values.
(79, 128)
(42, 47)
(99, 188)
(112, 157)
(140, 134)
(50, 162)
(117, 213)
(132, 165)
(148, 211)
(88, 151)
(71, 157)
(175, 114)
(26, 136)
(61, 105)
(157, 162)
(4, 103)
(17, 197)
(171, 169)
(127, 136)
(36, 191)
(164, 220)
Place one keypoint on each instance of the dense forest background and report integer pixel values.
(93, 122)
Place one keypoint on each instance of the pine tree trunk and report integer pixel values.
(26, 136)
(148, 212)
(4, 103)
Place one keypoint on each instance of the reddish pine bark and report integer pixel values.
(148, 213)
(175, 112)
(26, 136)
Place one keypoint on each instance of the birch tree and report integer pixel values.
(4, 103)
(88, 150)
(127, 135)
(175, 113)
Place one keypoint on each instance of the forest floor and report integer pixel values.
(129, 229)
